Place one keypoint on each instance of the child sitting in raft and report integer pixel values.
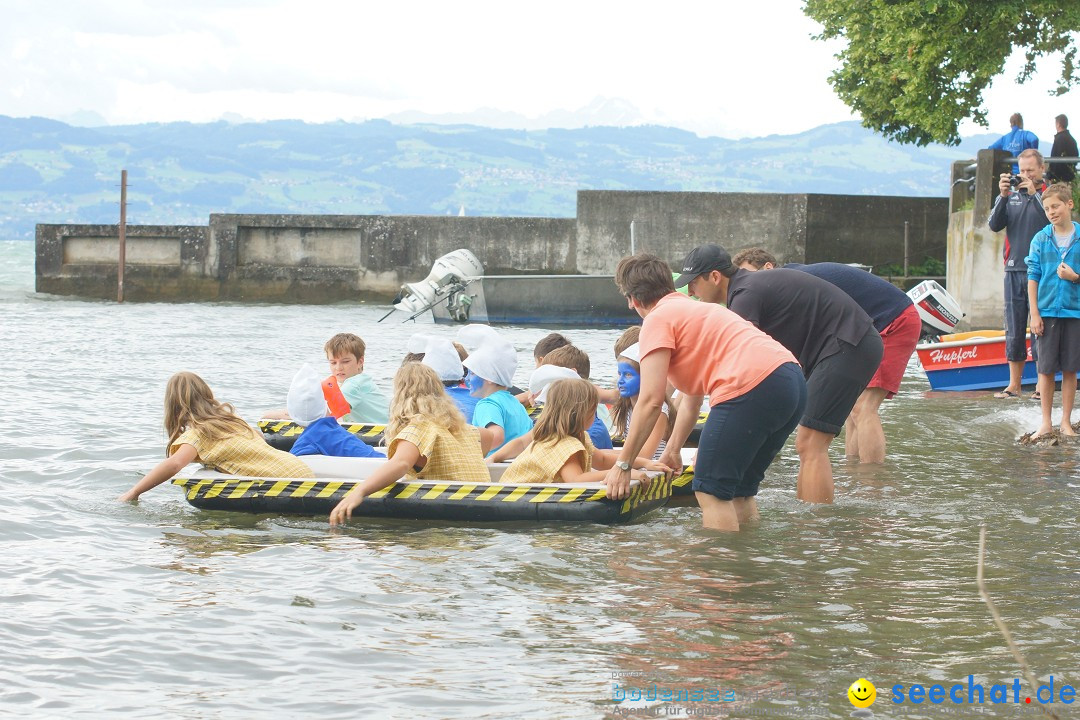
(202, 429)
(546, 344)
(444, 357)
(322, 435)
(491, 369)
(350, 392)
(573, 357)
(427, 437)
(560, 450)
(629, 386)
(539, 382)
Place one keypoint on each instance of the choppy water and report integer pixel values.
(160, 609)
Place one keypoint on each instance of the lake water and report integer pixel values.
(158, 609)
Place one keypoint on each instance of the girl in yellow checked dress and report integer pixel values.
(202, 429)
(560, 450)
(427, 437)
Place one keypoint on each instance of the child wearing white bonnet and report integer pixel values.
(441, 356)
(492, 363)
(322, 435)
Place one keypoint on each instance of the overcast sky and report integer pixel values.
(730, 69)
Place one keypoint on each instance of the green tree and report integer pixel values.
(914, 69)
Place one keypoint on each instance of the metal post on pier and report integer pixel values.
(632, 236)
(123, 237)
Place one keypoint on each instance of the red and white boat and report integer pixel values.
(971, 361)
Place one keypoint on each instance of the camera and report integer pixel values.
(1015, 180)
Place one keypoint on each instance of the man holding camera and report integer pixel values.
(1019, 212)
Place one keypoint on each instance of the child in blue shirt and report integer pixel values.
(491, 369)
(1054, 294)
(443, 357)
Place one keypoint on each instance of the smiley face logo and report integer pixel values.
(862, 693)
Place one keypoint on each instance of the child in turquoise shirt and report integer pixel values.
(491, 369)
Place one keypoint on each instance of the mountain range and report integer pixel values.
(179, 173)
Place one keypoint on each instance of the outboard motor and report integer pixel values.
(939, 311)
(449, 274)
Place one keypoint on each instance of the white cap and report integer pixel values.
(632, 352)
(544, 376)
(305, 402)
(494, 358)
(439, 354)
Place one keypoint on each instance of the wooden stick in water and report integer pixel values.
(1001, 623)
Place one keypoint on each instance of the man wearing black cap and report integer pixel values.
(832, 337)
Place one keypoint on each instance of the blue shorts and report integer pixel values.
(1016, 318)
(743, 435)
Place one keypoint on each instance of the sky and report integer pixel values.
(727, 69)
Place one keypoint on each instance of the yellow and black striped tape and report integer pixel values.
(202, 489)
(288, 428)
(683, 483)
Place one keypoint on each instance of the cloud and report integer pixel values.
(713, 68)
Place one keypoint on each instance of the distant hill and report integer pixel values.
(179, 173)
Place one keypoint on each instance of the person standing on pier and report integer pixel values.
(1064, 146)
(1017, 140)
(1019, 212)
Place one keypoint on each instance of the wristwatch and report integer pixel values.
(622, 465)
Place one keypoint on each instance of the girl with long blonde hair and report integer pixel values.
(427, 437)
(560, 450)
(203, 429)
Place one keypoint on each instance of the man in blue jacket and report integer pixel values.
(1017, 140)
(1019, 212)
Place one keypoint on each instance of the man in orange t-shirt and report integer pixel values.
(755, 387)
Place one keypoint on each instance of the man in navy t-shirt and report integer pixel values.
(831, 336)
(896, 320)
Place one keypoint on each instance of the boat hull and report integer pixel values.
(971, 361)
(579, 300)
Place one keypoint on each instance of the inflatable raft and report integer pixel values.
(281, 434)
(418, 499)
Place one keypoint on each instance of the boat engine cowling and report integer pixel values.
(939, 311)
(449, 270)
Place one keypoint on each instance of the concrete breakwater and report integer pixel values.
(330, 258)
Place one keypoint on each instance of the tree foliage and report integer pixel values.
(914, 69)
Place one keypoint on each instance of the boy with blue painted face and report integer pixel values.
(491, 367)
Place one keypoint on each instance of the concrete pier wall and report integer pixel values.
(329, 258)
(164, 262)
(975, 272)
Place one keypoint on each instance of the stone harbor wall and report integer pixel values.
(330, 258)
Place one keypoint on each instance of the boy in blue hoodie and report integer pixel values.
(1054, 295)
